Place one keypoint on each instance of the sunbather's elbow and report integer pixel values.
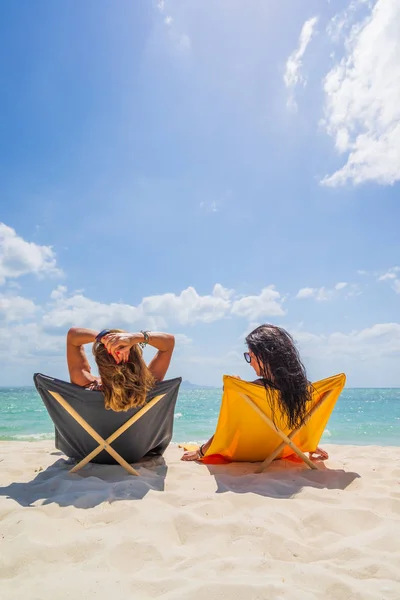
(72, 331)
(169, 342)
(74, 335)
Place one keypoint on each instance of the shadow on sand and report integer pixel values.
(89, 487)
(96, 483)
(282, 479)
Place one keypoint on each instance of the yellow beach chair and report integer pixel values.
(251, 428)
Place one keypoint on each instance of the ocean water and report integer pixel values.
(361, 416)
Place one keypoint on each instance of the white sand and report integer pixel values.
(181, 531)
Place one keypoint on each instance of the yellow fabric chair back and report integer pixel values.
(241, 433)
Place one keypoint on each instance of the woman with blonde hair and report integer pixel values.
(124, 378)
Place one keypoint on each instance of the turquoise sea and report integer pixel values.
(361, 417)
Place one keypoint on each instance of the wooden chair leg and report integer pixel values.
(282, 435)
(112, 452)
(105, 444)
(281, 446)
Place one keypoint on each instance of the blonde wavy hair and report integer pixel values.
(125, 385)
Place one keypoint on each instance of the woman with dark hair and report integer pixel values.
(125, 379)
(276, 361)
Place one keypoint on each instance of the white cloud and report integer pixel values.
(322, 293)
(306, 292)
(368, 356)
(182, 339)
(168, 20)
(158, 311)
(343, 21)
(292, 76)
(33, 337)
(13, 285)
(392, 276)
(188, 307)
(387, 276)
(362, 108)
(220, 292)
(380, 340)
(267, 303)
(24, 340)
(67, 311)
(161, 5)
(18, 257)
(16, 308)
(58, 292)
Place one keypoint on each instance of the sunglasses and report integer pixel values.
(247, 357)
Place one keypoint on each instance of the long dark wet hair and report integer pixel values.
(281, 369)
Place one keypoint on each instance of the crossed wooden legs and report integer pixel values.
(105, 444)
(287, 439)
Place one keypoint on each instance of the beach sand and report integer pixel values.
(191, 532)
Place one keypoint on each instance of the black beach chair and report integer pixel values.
(85, 430)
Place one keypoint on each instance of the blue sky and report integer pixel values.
(201, 168)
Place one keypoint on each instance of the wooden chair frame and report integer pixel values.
(287, 439)
(105, 444)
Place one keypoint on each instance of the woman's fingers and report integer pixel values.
(191, 456)
(114, 342)
(323, 454)
(124, 354)
(319, 453)
(116, 357)
(110, 342)
(106, 338)
(117, 347)
(120, 354)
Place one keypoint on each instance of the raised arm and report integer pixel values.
(78, 364)
(163, 342)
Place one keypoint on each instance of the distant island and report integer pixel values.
(188, 385)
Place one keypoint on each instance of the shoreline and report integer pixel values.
(187, 530)
(38, 438)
